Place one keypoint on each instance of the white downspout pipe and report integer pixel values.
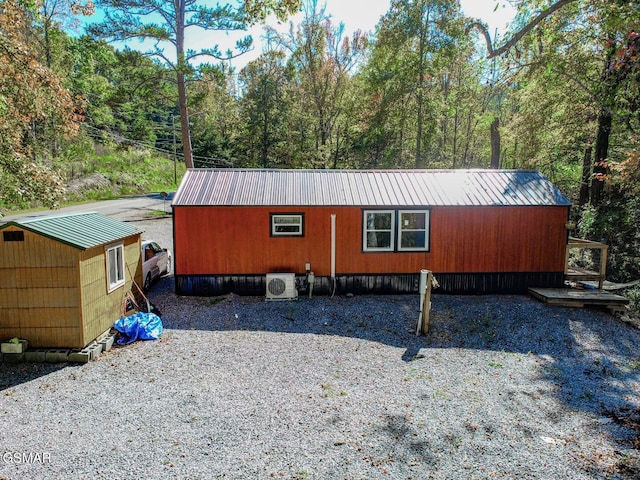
(333, 253)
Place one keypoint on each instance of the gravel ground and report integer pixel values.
(336, 388)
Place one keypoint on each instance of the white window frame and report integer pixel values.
(401, 230)
(365, 231)
(300, 225)
(111, 254)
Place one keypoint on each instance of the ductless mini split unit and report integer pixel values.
(281, 286)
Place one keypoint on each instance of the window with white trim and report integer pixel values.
(287, 224)
(413, 230)
(395, 230)
(378, 230)
(115, 266)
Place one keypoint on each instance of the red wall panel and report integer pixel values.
(236, 240)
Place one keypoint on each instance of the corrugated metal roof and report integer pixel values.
(80, 230)
(379, 188)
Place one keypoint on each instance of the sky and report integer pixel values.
(355, 14)
(365, 14)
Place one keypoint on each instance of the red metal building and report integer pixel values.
(358, 231)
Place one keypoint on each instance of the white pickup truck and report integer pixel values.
(156, 261)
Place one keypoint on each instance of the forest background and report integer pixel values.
(83, 115)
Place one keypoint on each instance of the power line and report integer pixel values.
(119, 138)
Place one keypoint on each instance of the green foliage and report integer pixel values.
(316, 94)
(413, 94)
(122, 91)
(258, 10)
(216, 124)
(119, 173)
(36, 111)
(633, 295)
(412, 80)
(587, 221)
(265, 106)
(617, 223)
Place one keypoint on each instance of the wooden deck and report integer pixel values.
(569, 297)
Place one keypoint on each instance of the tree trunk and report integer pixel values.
(420, 97)
(495, 143)
(610, 82)
(47, 41)
(419, 133)
(265, 139)
(336, 153)
(600, 165)
(182, 86)
(456, 122)
(586, 176)
(184, 121)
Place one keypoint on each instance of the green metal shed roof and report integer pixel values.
(80, 230)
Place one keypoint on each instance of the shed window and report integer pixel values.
(287, 224)
(13, 236)
(115, 266)
(413, 230)
(395, 230)
(378, 230)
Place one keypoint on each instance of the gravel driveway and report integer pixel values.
(336, 388)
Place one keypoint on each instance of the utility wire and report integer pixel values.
(94, 132)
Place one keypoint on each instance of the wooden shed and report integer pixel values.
(358, 231)
(63, 278)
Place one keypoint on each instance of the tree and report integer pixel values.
(619, 95)
(322, 57)
(582, 45)
(217, 126)
(126, 95)
(604, 29)
(520, 33)
(265, 105)
(129, 19)
(29, 95)
(55, 15)
(512, 42)
(416, 41)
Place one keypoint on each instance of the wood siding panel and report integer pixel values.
(493, 239)
(39, 294)
(44, 337)
(60, 277)
(55, 295)
(36, 251)
(236, 240)
(100, 308)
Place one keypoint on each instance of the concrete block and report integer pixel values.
(35, 355)
(13, 357)
(57, 355)
(96, 350)
(7, 347)
(80, 356)
(107, 342)
(104, 334)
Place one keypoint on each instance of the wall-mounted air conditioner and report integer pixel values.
(281, 286)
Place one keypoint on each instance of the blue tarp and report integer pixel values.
(140, 326)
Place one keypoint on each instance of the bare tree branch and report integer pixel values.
(482, 28)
